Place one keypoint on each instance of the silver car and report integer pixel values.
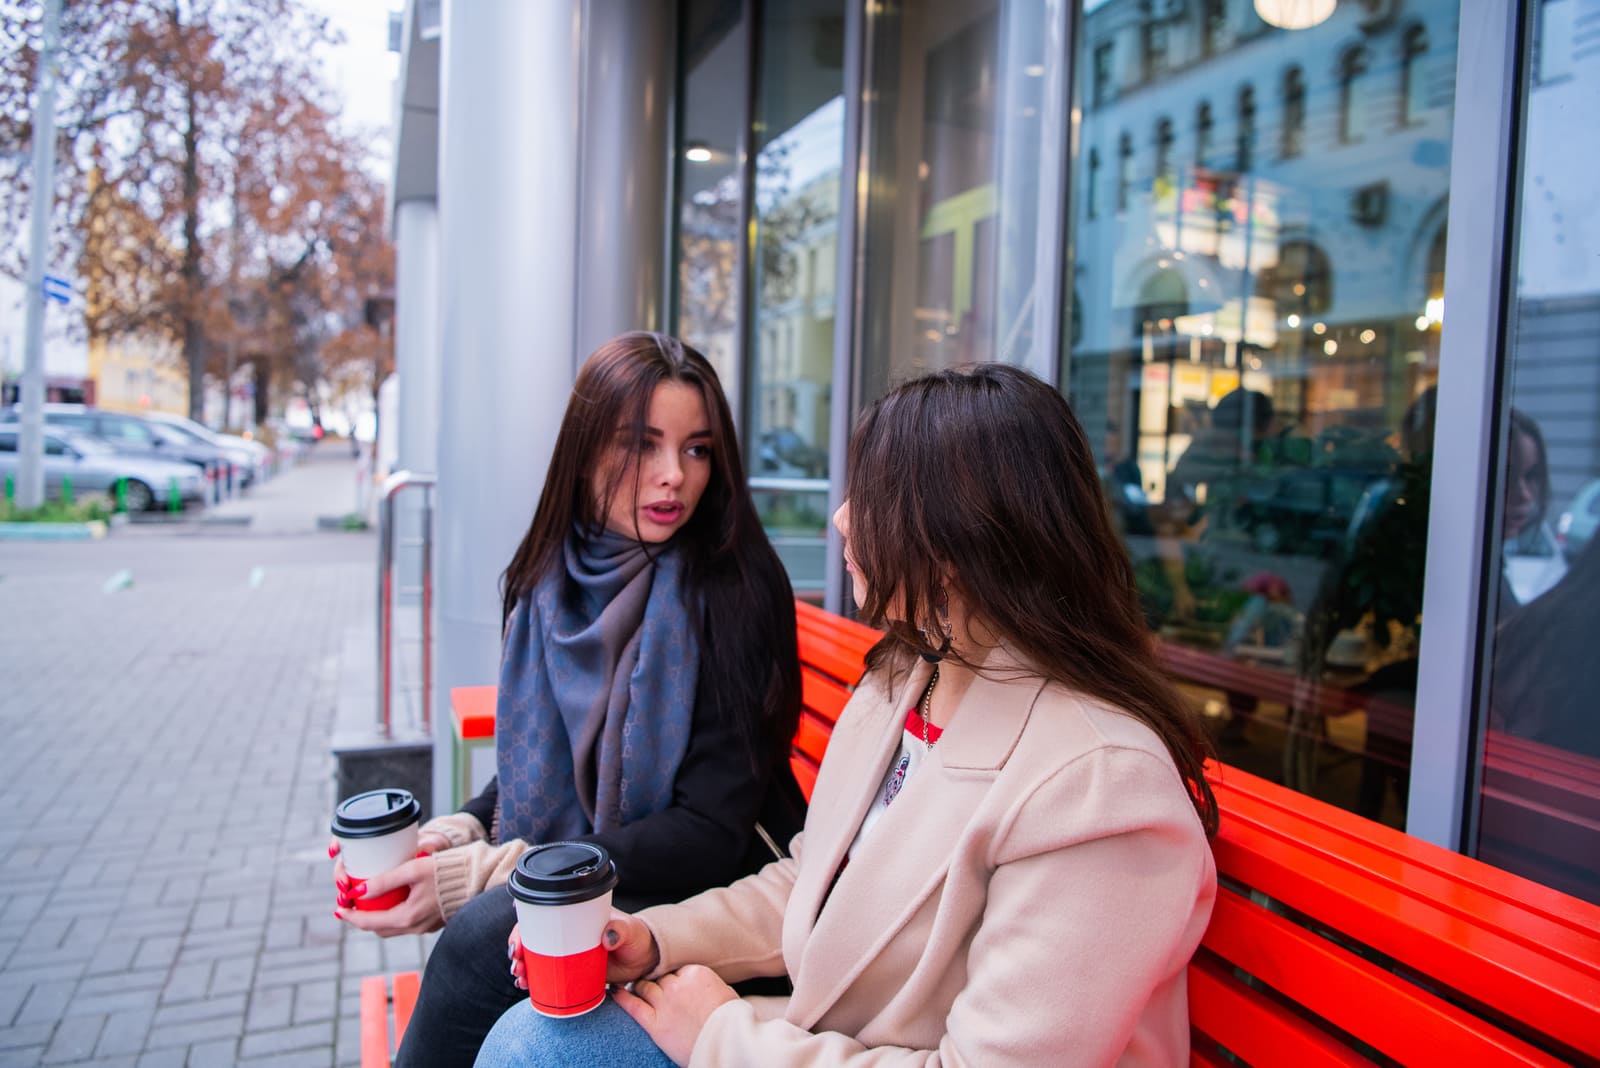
(95, 467)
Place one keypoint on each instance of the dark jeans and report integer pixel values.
(466, 986)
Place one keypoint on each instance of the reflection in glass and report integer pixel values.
(955, 113)
(1540, 751)
(798, 133)
(710, 114)
(1255, 350)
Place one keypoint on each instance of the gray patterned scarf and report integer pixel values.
(596, 695)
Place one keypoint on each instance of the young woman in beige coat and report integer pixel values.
(1006, 859)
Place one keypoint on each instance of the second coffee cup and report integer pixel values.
(563, 897)
(377, 832)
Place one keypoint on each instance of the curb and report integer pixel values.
(93, 529)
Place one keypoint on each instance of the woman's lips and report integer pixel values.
(664, 513)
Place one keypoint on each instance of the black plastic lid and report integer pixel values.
(375, 813)
(563, 873)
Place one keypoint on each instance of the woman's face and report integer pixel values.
(858, 584)
(1524, 479)
(659, 487)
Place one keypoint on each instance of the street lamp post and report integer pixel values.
(30, 437)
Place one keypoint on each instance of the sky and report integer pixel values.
(362, 70)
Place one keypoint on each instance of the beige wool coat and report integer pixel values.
(1031, 897)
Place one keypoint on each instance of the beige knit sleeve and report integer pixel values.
(458, 827)
(462, 873)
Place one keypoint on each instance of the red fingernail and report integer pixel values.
(357, 887)
(333, 849)
(421, 853)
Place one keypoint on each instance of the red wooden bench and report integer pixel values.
(1335, 940)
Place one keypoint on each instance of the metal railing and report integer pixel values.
(393, 486)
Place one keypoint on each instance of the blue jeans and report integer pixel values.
(606, 1037)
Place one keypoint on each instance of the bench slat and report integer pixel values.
(805, 773)
(1336, 985)
(374, 1022)
(406, 987)
(822, 696)
(1256, 1028)
(811, 737)
(1408, 915)
(1466, 887)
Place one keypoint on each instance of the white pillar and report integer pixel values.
(508, 159)
(622, 218)
(416, 332)
(416, 430)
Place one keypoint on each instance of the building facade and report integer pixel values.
(1228, 229)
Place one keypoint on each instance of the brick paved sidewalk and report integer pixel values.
(165, 891)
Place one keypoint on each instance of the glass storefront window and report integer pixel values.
(1540, 745)
(955, 114)
(799, 152)
(763, 312)
(711, 112)
(1257, 293)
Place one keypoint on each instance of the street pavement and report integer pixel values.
(167, 695)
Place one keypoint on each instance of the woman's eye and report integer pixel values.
(699, 452)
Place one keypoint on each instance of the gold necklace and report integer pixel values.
(925, 704)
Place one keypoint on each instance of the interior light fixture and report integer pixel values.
(1294, 14)
(696, 152)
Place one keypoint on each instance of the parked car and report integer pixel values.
(176, 445)
(246, 455)
(1304, 512)
(127, 434)
(95, 467)
(1577, 524)
(785, 454)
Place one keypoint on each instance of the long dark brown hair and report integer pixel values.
(982, 478)
(736, 583)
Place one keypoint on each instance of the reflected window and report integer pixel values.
(1213, 26)
(1352, 65)
(1164, 139)
(1202, 133)
(1155, 37)
(1294, 113)
(1245, 149)
(1092, 191)
(1413, 46)
(1124, 170)
(1103, 84)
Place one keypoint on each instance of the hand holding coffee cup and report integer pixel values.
(562, 892)
(350, 888)
(376, 832)
(631, 950)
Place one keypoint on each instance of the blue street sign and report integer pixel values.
(58, 289)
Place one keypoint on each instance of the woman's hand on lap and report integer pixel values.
(674, 1009)
(419, 913)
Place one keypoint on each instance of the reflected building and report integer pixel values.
(1262, 208)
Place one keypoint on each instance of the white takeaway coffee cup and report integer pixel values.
(377, 832)
(562, 892)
